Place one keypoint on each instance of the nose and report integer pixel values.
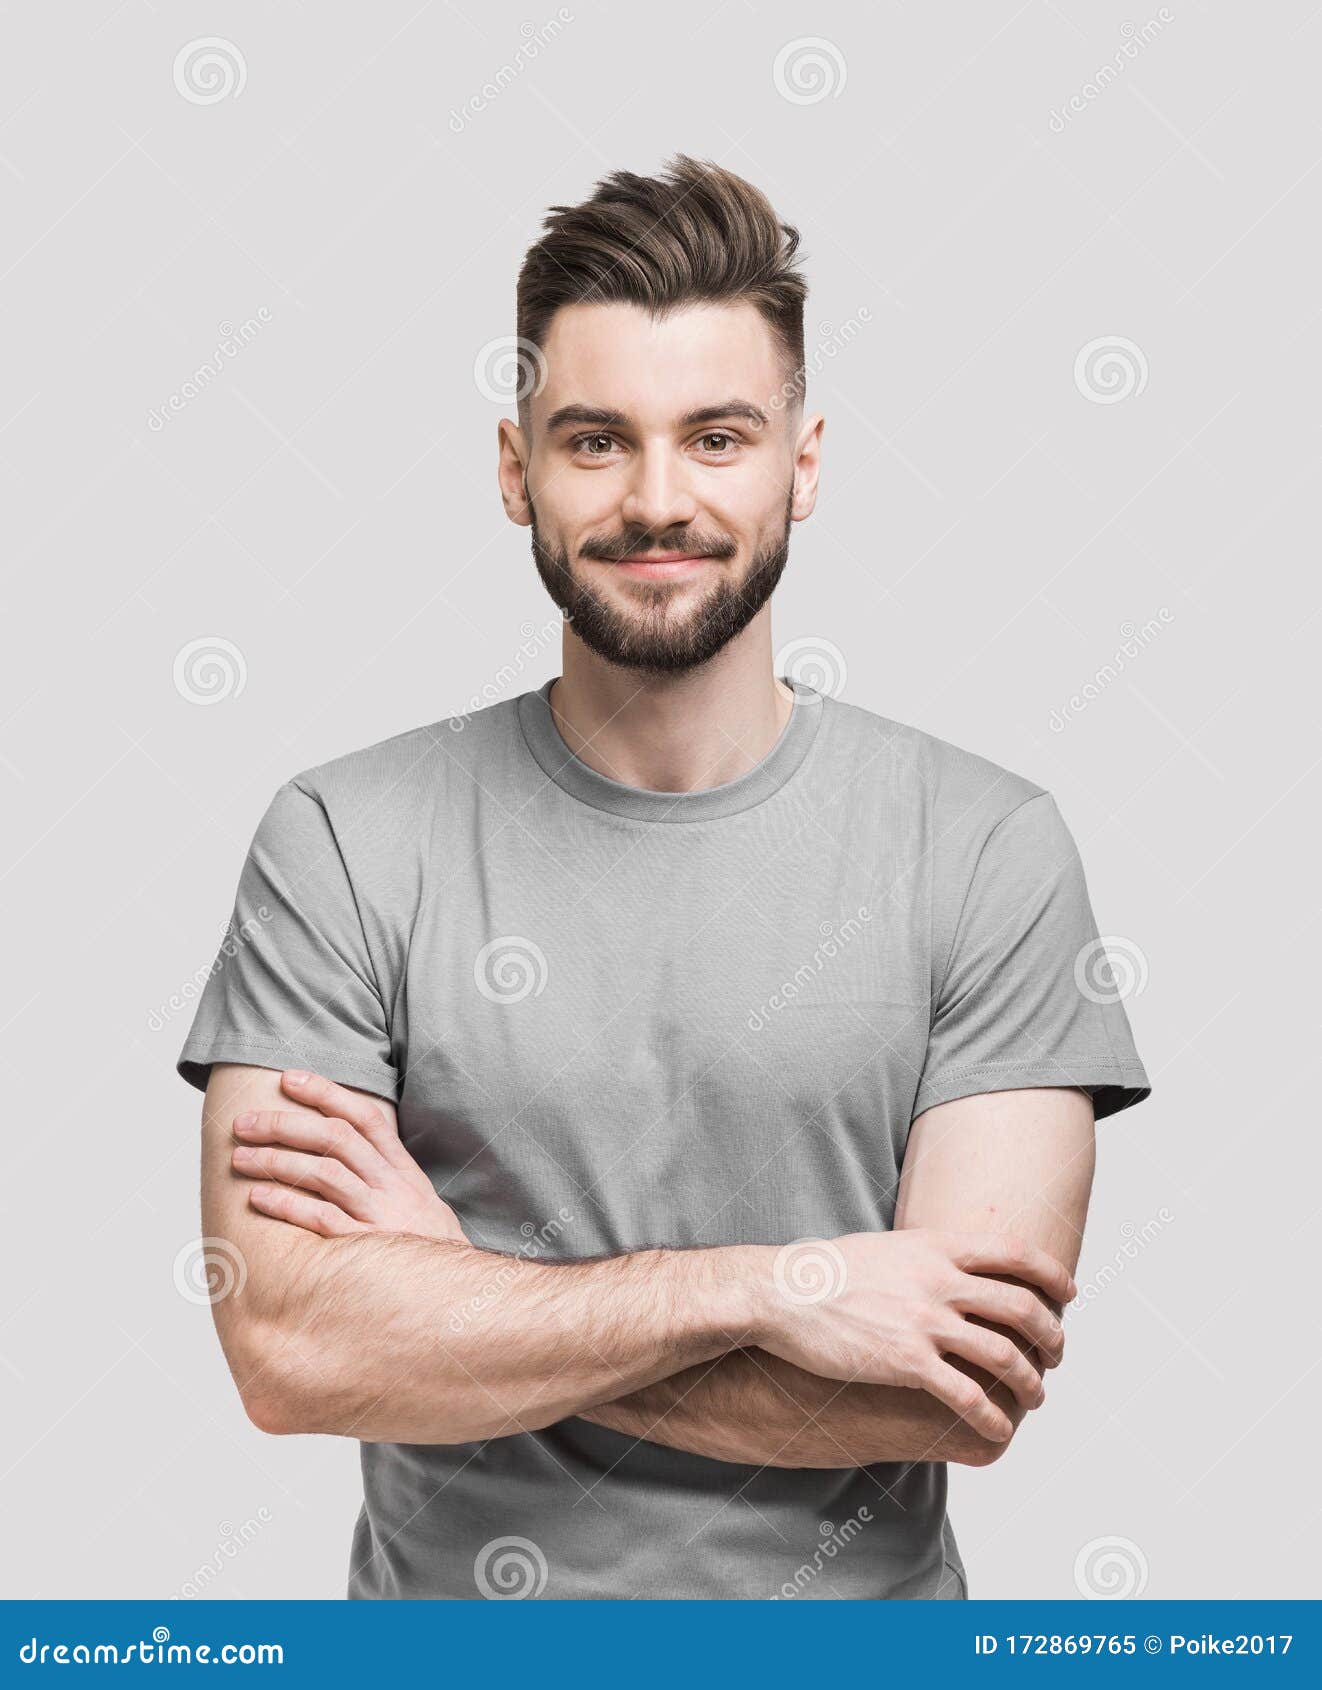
(657, 497)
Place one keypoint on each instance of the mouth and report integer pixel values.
(661, 566)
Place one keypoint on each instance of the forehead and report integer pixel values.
(622, 358)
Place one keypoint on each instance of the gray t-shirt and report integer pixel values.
(613, 1019)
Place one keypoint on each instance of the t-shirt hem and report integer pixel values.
(1113, 1086)
(196, 1060)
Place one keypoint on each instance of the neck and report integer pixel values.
(672, 733)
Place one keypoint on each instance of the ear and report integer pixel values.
(807, 466)
(512, 472)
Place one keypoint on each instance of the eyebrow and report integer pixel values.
(596, 416)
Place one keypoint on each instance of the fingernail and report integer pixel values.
(246, 1122)
(298, 1077)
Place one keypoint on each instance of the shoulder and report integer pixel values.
(402, 779)
(957, 792)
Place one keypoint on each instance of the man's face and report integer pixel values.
(660, 479)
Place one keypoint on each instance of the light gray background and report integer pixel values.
(986, 536)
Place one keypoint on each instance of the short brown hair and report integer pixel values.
(693, 233)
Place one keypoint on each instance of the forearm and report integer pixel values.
(389, 1338)
(755, 1409)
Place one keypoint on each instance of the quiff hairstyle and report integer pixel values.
(693, 234)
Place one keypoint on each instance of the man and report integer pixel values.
(655, 1113)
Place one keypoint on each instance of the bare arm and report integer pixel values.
(387, 1337)
(369, 1314)
(1017, 1162)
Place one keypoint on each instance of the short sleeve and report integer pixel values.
(1028, 998)
(292, 984)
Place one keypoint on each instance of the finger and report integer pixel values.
(1011, 1305)
(969, 1401)
(365, 1113)
(284, 1203)
(1004, 1253)
(998, 1355)
(321, 1174)
(318, 1134)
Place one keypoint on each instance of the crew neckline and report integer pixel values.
(582, 781)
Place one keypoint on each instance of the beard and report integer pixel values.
(652, 639)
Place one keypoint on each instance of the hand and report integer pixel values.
(344, 1149)
(894, 1304)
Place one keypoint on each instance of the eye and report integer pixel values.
(584, 443)
(725, 446)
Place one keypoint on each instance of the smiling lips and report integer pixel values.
(661, 566)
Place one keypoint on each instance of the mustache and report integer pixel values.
(640, 545)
